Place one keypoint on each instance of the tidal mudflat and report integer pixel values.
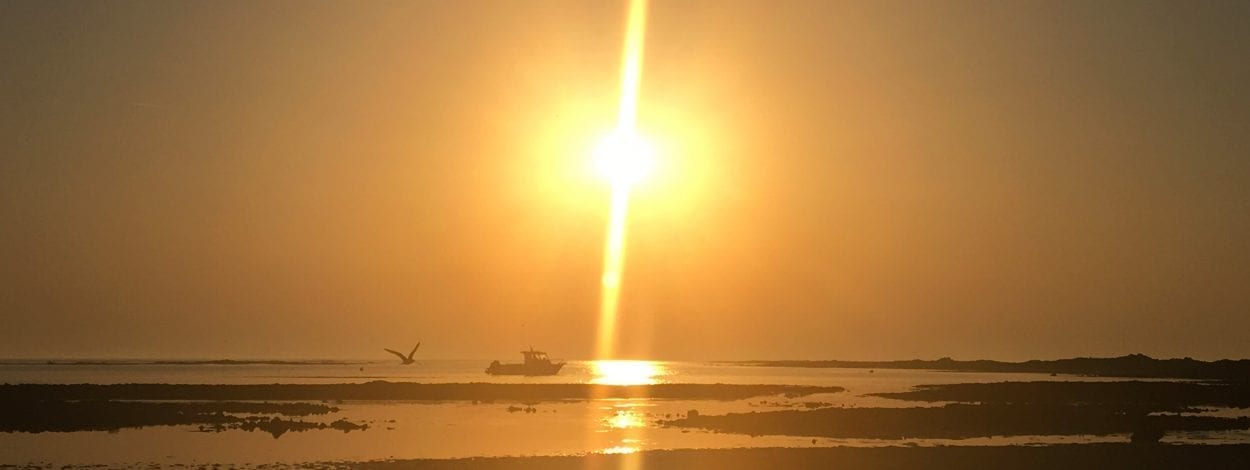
(216, 408)
(687, 406)
(1145, 410)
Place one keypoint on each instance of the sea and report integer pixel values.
(458, 429)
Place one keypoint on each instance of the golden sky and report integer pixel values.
(887, 179)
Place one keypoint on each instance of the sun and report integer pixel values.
(624, 159)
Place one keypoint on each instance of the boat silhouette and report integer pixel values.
(536, 363)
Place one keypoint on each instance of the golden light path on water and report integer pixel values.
(623, 416)
(623, 157)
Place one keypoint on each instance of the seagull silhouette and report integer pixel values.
(405, 360)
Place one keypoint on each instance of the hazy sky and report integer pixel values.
(1000, 179)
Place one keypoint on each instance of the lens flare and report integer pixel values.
(631, 66)
(623, 158)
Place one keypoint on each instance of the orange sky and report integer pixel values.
(837, 179)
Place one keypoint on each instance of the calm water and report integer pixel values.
(463, 429)
(465, 371)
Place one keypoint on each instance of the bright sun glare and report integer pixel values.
(624, 159)
(627, 372)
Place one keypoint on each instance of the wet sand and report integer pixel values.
(1068, 457)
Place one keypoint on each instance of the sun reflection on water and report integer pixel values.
(627, 372)
(625, 420)
(620, 450)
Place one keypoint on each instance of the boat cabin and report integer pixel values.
(533, 356)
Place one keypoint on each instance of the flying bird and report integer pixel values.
(405, 360)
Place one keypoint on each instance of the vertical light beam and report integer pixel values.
(613, 266)
(627, 117)
(631, 66)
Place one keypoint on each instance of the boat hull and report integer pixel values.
(524, 369)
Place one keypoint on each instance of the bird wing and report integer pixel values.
(414, 350)
(397, 353)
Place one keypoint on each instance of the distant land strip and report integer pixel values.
(380, 390)
(1133, 365)
(204, 362)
